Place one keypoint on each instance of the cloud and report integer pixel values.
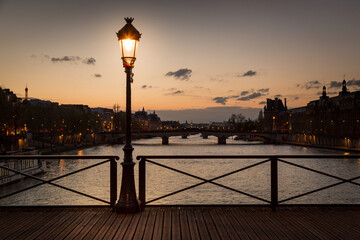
(65, 59)
(262, 102)
(97, 75)
(206, 115)
(277, 96)
(310, 85)
(234, 96)
(334, 84)
(244, 93)
(146, 86)
(200, 87)
(249, 73)
(175, 92)
(296, 98)
(263, 90)
(353, 82)
(221, 100)
(88, 61)
(251, 96)
(182, 74)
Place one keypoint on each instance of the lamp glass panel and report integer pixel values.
(128, 50)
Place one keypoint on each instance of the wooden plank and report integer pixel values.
(123, 227)
(346, 220)
(282, 228)
(61, 233)
(159, 222)
(301, 219)
(193, 230)
(167, 225)
(175, 225)
(219, 224)
(139, 233)
(227, 226)
(132, 226)
(14, 220)
(11, 217)
(23, 226)
(99, 224)
(14, 224)
(80, 225)
(32, 227)
(118, 223)
(233, 221)
(248, 228)
(203, 231)
(184, 223)
(249, 215)
(149, 228)
(86, 226)
(184, 226)
(56, 215)
(336, 229)
(114, 217)
(210, 225)
(60, 224)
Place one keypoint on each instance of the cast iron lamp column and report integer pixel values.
(128, 38)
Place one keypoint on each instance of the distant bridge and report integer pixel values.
(184, 133)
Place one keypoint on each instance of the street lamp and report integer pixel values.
(128, 38)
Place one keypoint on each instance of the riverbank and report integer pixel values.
(69, 147)
(355, 150)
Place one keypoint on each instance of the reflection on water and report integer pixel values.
(160, 181)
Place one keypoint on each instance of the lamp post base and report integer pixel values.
(128, 202)
(128, 207)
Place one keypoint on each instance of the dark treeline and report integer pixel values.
(240, 124)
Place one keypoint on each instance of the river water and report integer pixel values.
(160, 181)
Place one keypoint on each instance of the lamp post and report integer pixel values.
(128, 38)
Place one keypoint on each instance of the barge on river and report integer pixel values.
(28, 166)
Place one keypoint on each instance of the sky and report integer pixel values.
(193, 56)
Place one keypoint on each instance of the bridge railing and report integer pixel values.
(106, 159)
(273, 202)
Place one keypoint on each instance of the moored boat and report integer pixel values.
(28, 166)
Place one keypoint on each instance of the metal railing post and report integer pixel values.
(274, 182)
(142, 172)
(113, 182)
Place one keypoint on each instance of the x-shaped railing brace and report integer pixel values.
(54, 184)
(343, 180)
(207, 181)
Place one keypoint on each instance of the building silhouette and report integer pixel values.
(337, 116)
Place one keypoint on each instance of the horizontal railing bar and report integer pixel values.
(5, 157)
(241, 156)
(317, 190)
(317, 171)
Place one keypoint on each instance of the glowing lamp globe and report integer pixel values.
(128, 38)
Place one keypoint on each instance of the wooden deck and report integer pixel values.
(181, 223)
